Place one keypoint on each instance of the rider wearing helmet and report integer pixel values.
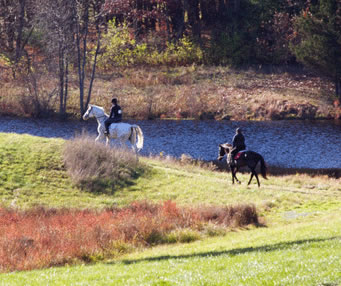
(115, 115)
(238, 143)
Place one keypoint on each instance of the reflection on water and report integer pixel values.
(312, 144)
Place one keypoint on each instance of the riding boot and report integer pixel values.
(231, 161)
(233, 154)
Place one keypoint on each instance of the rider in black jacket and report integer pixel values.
(238, 143)
(115, 115)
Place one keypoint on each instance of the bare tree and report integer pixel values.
(57, 21)
(15, 30)
(87, 14)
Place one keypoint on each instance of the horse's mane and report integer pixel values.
(99, 107)
(226, 145)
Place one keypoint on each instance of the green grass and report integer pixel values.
(32, 173)
(300, 245)
(306, 253)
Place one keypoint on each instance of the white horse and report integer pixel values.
(121, 131)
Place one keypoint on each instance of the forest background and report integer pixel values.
(205, 59)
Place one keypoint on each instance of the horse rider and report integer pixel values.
(115, 115)
(238, 143)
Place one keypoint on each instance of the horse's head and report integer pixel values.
(88, 113)
(224, 149)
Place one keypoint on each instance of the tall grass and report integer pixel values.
(42, 237)
(96, 166)
(199, 92)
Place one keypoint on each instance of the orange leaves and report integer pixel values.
(43, 237)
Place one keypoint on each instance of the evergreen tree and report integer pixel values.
(318, 39)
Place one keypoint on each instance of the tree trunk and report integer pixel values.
(94, 65)
(194, 19)
(66, 83)
(178, 21)
(81, 54)
(338, 87)
(82, 31)
(208, 10)
(20, 27)
(61, 81)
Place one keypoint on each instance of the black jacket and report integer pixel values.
(239, 141)
(116, 113)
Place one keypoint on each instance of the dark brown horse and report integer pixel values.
(246, 158)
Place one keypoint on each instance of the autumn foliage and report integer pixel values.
(42, 237)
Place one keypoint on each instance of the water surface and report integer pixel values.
(312, 144)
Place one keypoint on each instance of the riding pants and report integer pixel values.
(109, 121)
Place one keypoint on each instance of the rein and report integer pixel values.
(96, 116)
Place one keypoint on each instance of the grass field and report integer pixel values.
(299, 245)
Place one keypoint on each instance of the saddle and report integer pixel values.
(239, 154)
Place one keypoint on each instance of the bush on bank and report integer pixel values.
(95, 166)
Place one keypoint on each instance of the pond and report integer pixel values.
(298, 144)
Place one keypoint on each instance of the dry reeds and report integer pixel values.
(92, 164)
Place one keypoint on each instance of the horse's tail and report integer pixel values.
(137, 132)
(262, 167)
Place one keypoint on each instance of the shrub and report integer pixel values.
(121, 49)
(229, 49)
(43, 237)
(32, 93)
(212, 229)
(235, 216)
(96, 166)
(183, 235)
(183, 52)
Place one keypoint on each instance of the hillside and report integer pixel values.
(204, 92)
(199, 92)
(298, 245)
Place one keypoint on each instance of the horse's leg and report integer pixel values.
(250, 177)
(135, 151)
(252, 167)
(254, 173)
(235, 175)
(232, 172)
(239, 182)
(99, 137)
(132, 139)
(122, 143)
(257, 179)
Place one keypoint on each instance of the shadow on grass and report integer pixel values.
(233, 252)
